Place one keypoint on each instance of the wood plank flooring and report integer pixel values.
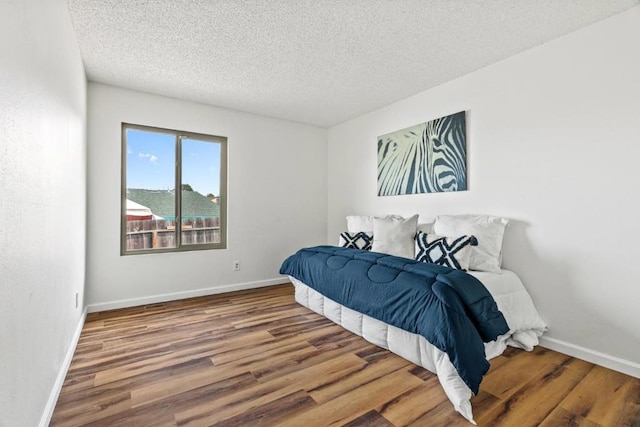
(257, 358)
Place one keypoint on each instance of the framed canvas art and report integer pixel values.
(426, 158)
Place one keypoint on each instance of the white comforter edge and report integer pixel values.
(513, 300)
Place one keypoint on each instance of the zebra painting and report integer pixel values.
(426, 158)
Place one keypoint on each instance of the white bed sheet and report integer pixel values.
(515, 303)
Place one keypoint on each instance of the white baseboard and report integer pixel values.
(608, 361)
(62, 374)
(153, 299)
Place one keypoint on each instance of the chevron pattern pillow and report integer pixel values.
(359, 240)
(453, 252)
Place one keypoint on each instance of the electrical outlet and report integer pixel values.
(236, 265)
(77, 299)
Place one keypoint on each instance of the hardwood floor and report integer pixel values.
(257, 358)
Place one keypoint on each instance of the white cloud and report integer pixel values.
(152, 157)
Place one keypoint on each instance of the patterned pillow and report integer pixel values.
(489, 230)
(453, 252)
(360, 240)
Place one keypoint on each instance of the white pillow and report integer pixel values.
(364, 223)
(426, 228)
(489, 230)
(394, 236)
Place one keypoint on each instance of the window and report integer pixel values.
(156, 217)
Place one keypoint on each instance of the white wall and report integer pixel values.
(42, 204)
(277, 199)
(553, 138)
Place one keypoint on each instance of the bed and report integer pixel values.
(519, 324)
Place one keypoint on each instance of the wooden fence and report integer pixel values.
(161, 233)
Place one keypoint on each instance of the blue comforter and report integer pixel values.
(449, 307)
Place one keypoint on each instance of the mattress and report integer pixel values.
(525, 324)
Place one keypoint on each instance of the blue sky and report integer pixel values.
(151, 162)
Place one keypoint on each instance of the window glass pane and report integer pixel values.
(200, 192)
(150, 184)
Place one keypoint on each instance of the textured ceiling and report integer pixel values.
(314, 61)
